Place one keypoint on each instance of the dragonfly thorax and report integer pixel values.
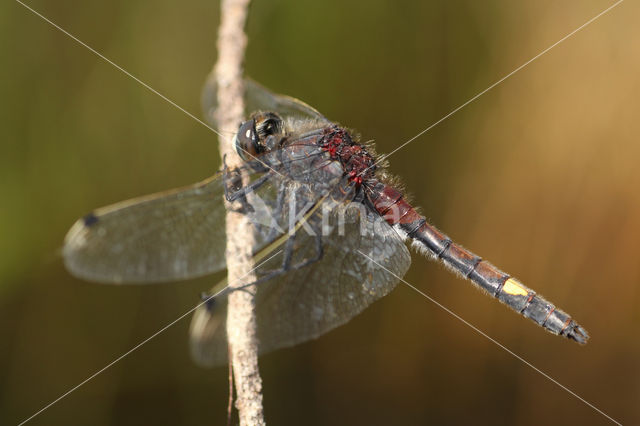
(356, 160)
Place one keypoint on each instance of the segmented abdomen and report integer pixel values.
(390, 203)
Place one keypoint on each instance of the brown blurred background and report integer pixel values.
(540, 175)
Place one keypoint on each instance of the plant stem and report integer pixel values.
(241, 321)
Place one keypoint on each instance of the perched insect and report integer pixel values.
(318, 199)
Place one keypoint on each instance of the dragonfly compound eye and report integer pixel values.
(246, 141)
(269, 124)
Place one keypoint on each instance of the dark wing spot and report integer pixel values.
(90, 219)
(209, 301)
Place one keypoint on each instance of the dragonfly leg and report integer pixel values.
(286, 261)
(269, 275)
(288, 254)
(277, 212)
(233, 194)
(234, 191)
(314, 259)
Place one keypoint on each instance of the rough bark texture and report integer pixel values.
(241, 322)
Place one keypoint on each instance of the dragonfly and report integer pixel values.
(331, 227)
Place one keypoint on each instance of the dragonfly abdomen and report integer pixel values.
(428, 240)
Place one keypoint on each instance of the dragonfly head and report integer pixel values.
(260, 134)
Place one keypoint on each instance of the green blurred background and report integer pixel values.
(540, 176)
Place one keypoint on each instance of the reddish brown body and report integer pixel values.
(391, 205)
(360, 168)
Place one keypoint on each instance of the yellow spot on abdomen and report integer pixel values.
(511, 286)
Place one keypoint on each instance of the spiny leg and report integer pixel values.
(269, 275)
(232, 184)
(241, 193)
(286, 265)
(273, 233)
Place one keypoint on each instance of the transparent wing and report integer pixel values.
(171, 235)
(180, 234)
(259, 98)
(306, 303)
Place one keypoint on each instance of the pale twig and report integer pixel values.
(241, 321)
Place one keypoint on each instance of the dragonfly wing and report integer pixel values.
(311, 301)
(207, 332)
(177, 234)
(172, 235)
(259, 98)
(305, 303)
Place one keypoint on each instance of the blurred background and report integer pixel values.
(540, 176)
